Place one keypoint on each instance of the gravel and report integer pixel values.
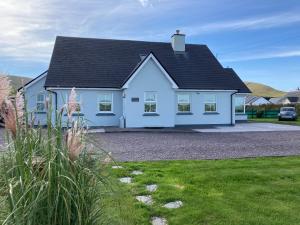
(131, 146)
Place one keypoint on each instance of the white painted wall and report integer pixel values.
(89, 106)
(223, 115)
(31, 93)
(150, 78)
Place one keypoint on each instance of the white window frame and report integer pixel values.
(112, 102)
(41, 102)
(189, 103)
(78, 102)
(210, 102)
(244, 108)
(155, 93)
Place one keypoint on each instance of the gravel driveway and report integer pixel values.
(160, 146)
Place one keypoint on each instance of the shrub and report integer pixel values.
(47, 175)
(259, 114)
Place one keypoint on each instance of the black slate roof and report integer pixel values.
(105, 63)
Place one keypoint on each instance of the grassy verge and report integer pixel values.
(273, 120)
(250, 191)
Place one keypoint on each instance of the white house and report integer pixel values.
(139, 84)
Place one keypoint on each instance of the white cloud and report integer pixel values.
(264, 55)
(277, 20)
(144, 3)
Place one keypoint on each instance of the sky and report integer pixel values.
(260, 39)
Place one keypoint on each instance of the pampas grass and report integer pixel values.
(47, 176)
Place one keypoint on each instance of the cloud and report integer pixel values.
(144, 3)
(253, 23)
(264, 55)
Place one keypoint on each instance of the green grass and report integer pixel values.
(249, 191)
(275, 120)
(258, 89)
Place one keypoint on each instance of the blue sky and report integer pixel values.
(259, 39)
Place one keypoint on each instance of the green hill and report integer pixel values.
(264, 90)
(18, 81)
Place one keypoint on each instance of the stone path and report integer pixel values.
(126, 180)
(147, 199)
(159, 221)
(173, 205)
(117, 167)
(151, 187)
(136, 172)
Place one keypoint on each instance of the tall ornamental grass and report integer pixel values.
(47, 176)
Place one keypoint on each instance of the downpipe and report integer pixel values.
(231, 108)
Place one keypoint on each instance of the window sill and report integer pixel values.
(105, 114)
(75, 114)
(150, 114)
(241, 114)
(184, 113)
(40, 112)
(211, 113)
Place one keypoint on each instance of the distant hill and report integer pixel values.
(264, 90)
(18, 81)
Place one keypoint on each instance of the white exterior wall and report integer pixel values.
(89, 106)
(222, 116)
(31, 93)
(150, 78)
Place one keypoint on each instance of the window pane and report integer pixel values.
(210, 107)
(210, 98)
(184, 108)
(40, 97)
(150, 107)
(105, 97)
(183, 98)
(150, 96)
(78, 108)
(239, 105)
(105, 107)
(40, 106)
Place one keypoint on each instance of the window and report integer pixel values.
(40, 102)
(183, 103)
(210, 103)
(150, 102)
(78, 102)
(239, 104)
(105, 102)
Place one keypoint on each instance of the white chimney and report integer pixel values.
(178, 42)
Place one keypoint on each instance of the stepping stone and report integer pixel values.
(117, 167)
(126, 180)
(146, 199)
(151, 187)
(136, 172)
(173, 205)
(159, 221)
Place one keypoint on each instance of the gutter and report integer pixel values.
(231, 104)
(55, 94)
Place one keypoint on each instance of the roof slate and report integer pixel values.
(105, 63)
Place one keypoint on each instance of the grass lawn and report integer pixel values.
(273, 120)
(245, 191)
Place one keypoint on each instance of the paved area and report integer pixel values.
(171, 146)
(251, 127)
